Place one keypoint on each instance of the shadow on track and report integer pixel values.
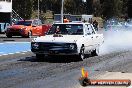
(52, 59)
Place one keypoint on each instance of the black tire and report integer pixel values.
(95, 52)
(29, 35)
(82, 55)
(40, 56)
(9, 36)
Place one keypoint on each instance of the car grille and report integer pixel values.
(14, 30)
(48, 46)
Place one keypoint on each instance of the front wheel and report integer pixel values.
(28, 35)
(82, 54)
(40, 56)
(9, 36)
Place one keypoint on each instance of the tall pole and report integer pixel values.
(38, 9)
(11, 14)
(84, 0)
(62, 11)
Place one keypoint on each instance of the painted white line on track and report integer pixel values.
(1, 43)
(17, 42)
(26, 51)
(3, 54)
(10, 53)
(14, 42)
(22, 52)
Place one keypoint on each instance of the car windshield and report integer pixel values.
(26, 23)
(66, 29)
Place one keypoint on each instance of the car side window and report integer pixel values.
(35, 23)
(89, 30)
(39, 22)
(93, 30)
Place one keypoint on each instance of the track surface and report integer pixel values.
(23, 70)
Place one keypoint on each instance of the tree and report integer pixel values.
(111, 8)
(129, 8)
(69, 6)
(104, 8)
(23, 8)
(89, 8)
(96, 8)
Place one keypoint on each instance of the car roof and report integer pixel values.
(73, 23)
(25, 20)
(29, 20)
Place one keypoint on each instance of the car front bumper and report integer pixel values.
(14, 32)
(54, 49)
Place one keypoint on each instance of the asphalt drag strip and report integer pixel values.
(25, 71)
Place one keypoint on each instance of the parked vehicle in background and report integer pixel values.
(77, 39)
(27, 28)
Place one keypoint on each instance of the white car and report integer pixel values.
(77, 39)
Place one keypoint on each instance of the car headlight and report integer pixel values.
(35, 45)
(21, 30)
(72, 46)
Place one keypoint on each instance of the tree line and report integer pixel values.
(103, 8)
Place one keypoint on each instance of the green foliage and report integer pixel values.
(104, 8)
(97, 10)
(23, 8)
(129, 8)
(90, 8)
(111, 8)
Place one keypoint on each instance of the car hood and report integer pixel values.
(17, 26)
(63, 38)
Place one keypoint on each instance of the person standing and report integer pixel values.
(65, 20)
(95, 25)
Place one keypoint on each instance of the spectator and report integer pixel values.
(95, 25)
(65, 20)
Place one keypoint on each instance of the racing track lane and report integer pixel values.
(25, 71)
(14, 47)
(3, 38)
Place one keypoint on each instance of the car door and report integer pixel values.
(35, 29)
(96, 37)
(88, 42)
(39, 28)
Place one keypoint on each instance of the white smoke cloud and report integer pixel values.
(116, 40)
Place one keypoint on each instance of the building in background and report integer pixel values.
(86, 18)
(5, 14)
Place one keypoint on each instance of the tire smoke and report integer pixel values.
(117, 40)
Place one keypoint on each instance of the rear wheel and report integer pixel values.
(95, 52)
